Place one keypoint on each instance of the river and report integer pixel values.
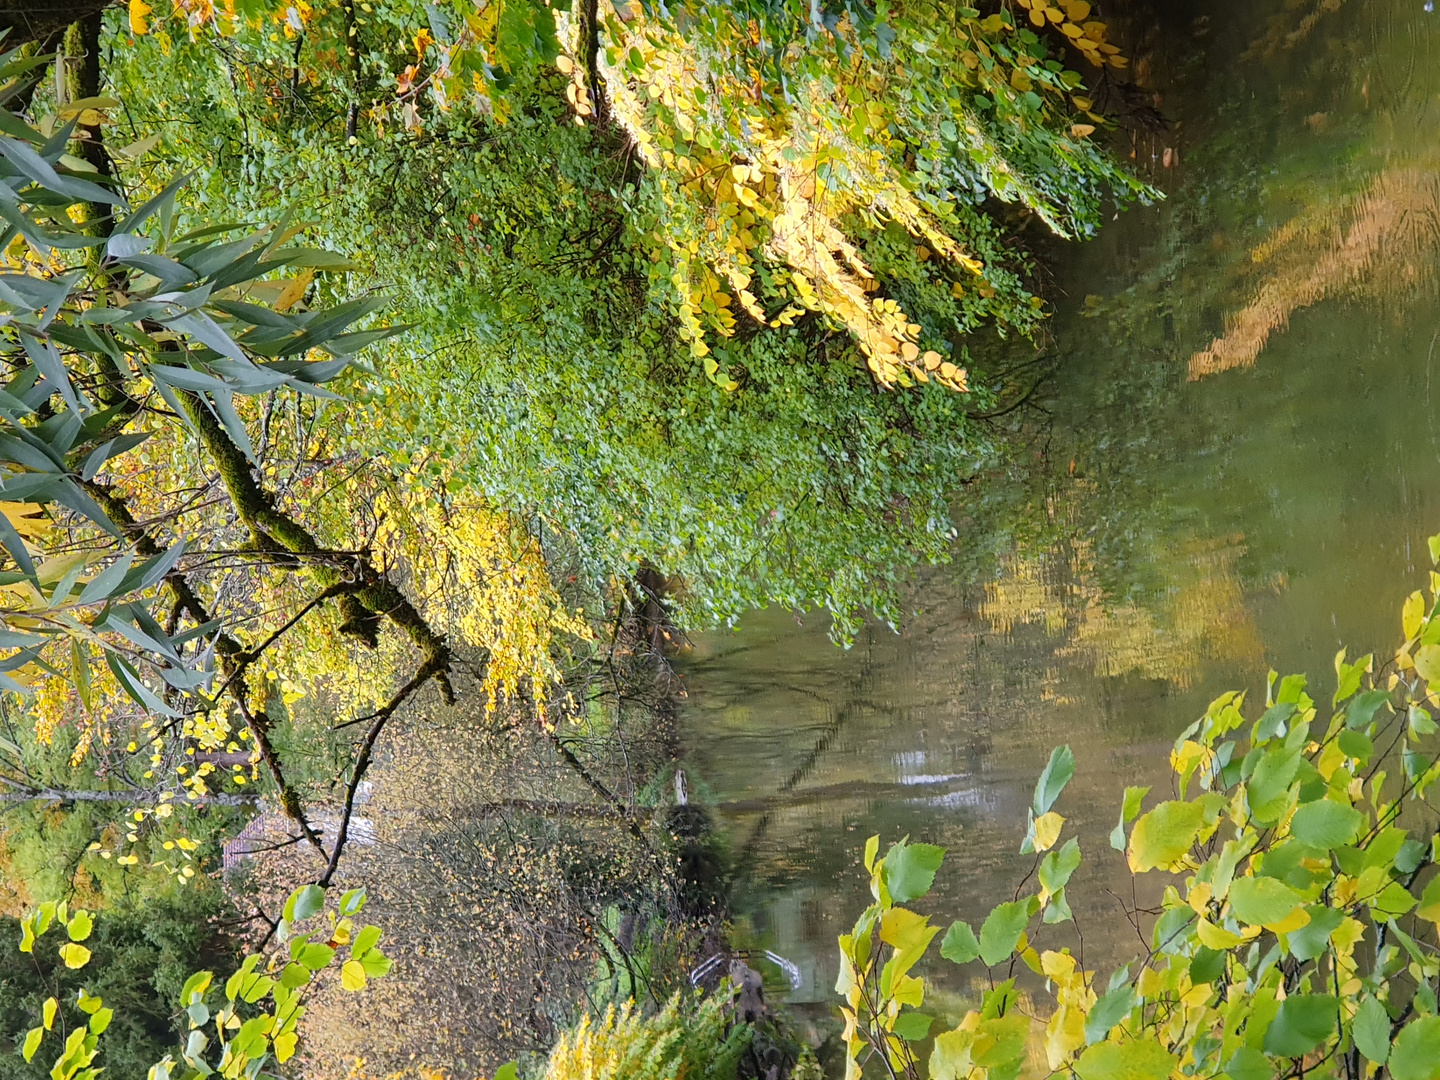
(1234, 468)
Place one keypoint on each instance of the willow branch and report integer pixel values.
(363, 608)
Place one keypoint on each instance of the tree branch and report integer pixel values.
(362, 609)
(426, 672)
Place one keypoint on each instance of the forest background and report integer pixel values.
(397, 381)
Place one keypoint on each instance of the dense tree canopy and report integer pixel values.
(353, 350)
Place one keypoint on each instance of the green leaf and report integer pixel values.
(1326, 824)
(913, 1026)
(510, 1071)
(1058, 771)
(376, 964)
(294, 976)
(1421, 722)
(1164, 834)
(304, 902)
(1057, 866)
(80, 925)
(1269, 784)
(1010, 1033)
(1363, 708)
(1311, 940)
(197, 983)
(1247, 1063)
(1002, 929)
(1429, 908)
(1134, 796)
(1261, 901)
(1434, 543)
(1146, 1060)
(909, 870)
(1371, 1030)
(101, 1020)
(960, 945)
(1304, 1020)
(314, 956)
(1393, 901)
(364, 941)
(1348, 676)
(1415, 1054)
(1356, 744)
(1112, 1007)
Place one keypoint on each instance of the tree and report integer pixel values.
(125, 327)
(560, 319)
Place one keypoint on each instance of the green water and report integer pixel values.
(1168, 538)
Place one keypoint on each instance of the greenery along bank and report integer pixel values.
(724, 339)
(648, 256)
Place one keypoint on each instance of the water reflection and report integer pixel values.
(1177, 537)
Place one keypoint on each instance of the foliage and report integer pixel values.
(543, 383)
(551, 282)
(776, 137)
(263, 996)
(142, 955)
(1292, 851)
(688, 1039)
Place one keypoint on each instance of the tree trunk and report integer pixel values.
(35, 20)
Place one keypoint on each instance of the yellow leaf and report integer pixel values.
(352, 975)
(1078, 10)
(1047, 830)
(1413, 613)
(285, 1046)
(1199, 897)
(1064, 1034)
(138, 10)
(1216, 937)
(28, 519)
(1079, 131)
(1427, 663)
(564, 64)
(75, 956)
(1056, 965)
(1294, 921)
(908, 990)
(294, 289)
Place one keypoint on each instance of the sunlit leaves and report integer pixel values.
(1139, 1060)
(1163, 835)
(74, 955)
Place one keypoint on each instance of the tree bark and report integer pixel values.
(35, 20)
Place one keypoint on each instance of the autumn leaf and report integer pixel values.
(138, 10)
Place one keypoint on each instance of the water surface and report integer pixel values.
(1238, 471)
